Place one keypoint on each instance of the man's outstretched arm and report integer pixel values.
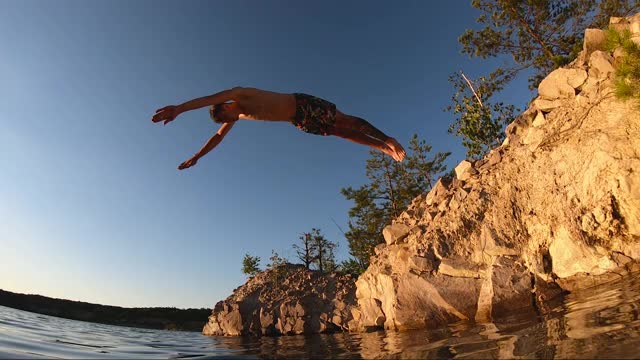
(169, 113)
(213, 142)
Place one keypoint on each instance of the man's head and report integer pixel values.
(224, 113)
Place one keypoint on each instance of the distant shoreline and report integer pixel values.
(163, 318)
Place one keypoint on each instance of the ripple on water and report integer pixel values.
(599, 322)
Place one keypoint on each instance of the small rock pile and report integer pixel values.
(287, 300)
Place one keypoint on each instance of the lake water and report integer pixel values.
(601, 322)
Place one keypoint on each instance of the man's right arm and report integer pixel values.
(168, 113)
(218, 98)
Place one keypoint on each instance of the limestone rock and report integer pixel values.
(600, 65)
(516, 130)
(460, 268)
(533, 137)
(571, 256)
(494, 157)
(464, 170)
(546, 105)
(539, 120)
(395, 233)
(562, 83)
(437, 192)
(594, 39)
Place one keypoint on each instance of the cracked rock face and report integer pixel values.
(290, 300)
(555, 208)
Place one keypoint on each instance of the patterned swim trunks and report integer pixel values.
(314, 115)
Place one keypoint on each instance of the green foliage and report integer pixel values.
(277, 267)
(480, 123)
(392, 187)
(250, 265)
(350, 266)
(533, 35)
(627, 76)
(276, 260)
(329, 263)
(324, 257)
(541, 35)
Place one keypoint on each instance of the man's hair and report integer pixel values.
(215, 111)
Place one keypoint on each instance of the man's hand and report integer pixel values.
(189, 163)
(166, 114)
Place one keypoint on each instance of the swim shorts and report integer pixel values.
(314, 115)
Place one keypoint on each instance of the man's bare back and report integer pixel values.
(308, 113)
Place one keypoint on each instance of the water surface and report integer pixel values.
(601, 322)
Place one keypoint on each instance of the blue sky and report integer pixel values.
(93, 207)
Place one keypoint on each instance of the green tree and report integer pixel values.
(536, 36)
(350, 266)
(306, 251)
(392, 187)
(323, 251)
(480, 123)
(250, 264)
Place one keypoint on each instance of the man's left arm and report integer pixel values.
(212, 143)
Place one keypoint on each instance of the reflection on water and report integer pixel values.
(598, 322)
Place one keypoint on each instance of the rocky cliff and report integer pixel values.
(556, 207)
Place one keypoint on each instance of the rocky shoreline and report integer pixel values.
(555, 208)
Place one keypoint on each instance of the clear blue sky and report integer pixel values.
(92, 205)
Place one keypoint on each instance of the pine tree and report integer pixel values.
(392, 187)
(324, 257)
(627, 75)
(306, 251)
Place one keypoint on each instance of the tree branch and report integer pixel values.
(472, 89)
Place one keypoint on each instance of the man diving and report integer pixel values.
(308, 113)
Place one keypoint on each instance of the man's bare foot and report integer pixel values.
(396, 149)
(387, 150)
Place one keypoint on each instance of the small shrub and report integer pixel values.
(627, 76)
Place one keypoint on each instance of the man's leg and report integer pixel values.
(363, 139)
(363, 127)
(360, 125)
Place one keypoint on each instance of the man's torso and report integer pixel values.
(259, 104)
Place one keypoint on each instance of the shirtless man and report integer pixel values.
(308, 113)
